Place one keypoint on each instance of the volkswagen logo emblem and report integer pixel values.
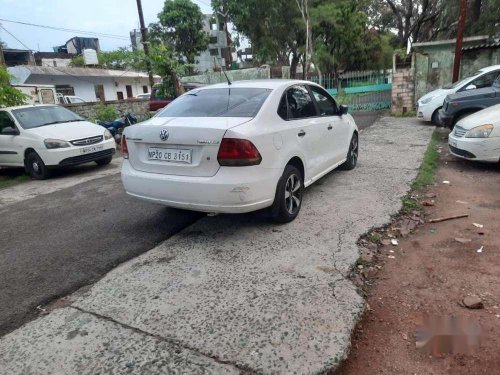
(164, 134)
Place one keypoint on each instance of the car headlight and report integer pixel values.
(482, 131)
(426, 100)
(107, 135)
(55, 143)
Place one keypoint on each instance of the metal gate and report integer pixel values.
(362, 90)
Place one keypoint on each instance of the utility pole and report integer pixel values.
(460, 36)
(145, 44)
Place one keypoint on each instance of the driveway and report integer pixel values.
(235, 293)
(70, 230)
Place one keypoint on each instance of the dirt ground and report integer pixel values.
(430, 272)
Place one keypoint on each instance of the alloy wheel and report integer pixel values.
(293, 194)
(354, 150)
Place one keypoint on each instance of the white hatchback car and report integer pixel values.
(477, 136)
(430, 104)
(42, 137)
(240, 147)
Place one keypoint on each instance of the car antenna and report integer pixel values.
(223, 71)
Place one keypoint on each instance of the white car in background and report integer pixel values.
(240, 147)
(477, 137)
(43, 137)
(428, 106)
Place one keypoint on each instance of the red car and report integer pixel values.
(158, 100)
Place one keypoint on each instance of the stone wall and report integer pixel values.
(403, 91)
(139, 107)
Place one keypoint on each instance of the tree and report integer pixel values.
(181, 28)
(9, 96)
(120, 59)
(168, 67)
(273, 27)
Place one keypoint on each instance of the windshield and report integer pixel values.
(226, 102)
(462, 81)
(34, 117)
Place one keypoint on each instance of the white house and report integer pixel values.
(90, 84)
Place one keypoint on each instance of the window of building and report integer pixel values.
(213, 40)
(54, 62)
(145, 89)
(119, 95)
(66, 90)
(99, 92)
(214, 52)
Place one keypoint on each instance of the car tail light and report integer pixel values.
(234, 152)
(124, 147)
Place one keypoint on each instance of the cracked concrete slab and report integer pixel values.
(268, 298)
(69, 341)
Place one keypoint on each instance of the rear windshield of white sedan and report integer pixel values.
(226, 102)
(35, 117)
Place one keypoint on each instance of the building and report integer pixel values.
(55, 59)
(88, 83)
(433, 61)
(13, 57)
(77, 44)
(136, 40)
(218, 45)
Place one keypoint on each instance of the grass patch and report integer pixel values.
(404, 114)
(9, 181)
(429, 165)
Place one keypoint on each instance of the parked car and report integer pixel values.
(43, 137)
(477, 137)
(462, 104)
(160, 99)
(144, 96)
(69, 99)
(430, 104)
(240, 147)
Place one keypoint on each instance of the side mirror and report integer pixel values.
(343, 109)
(10, 131)
(471, 87)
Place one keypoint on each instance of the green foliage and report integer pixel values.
(181, 28)
(9, 96)
(120, 59)
(429, 164)
(105, 112)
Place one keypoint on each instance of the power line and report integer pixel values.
(12, 35)
(95, 33)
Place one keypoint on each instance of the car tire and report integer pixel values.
(288, 198)
(435, 118)
(352, 154)
(36, 167)
(104, 161)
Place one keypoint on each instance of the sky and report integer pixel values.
(117, 17)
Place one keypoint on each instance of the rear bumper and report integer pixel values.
(231, 190)
(479, 149)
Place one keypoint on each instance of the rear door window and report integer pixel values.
(300, 103)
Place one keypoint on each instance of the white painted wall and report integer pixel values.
(59, 63)
(84, 86)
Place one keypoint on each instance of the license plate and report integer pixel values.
(91, 149)
(170, 154)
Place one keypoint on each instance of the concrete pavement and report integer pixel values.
(236, 291)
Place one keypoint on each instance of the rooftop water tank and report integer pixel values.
(90, 57)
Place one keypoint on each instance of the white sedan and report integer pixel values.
(477, 136)
(43, 137)
(430, 104)
(240, 147)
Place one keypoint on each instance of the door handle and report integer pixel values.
(301, 133)
(330, 127)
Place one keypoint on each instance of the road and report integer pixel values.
(73, 231)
